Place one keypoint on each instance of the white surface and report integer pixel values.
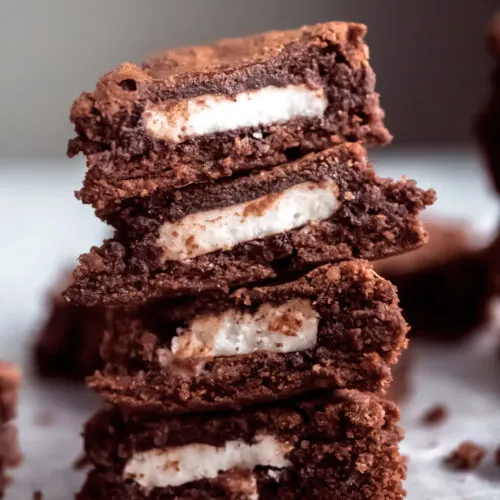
(182, 464)
(223, 228)
(240, 332)
(210, 113)
(43, 228)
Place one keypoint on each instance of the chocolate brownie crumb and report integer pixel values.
(435, 415)
(467, 456)
(45, 419)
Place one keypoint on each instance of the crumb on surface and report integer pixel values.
(435, 415)
(45, 418)
(466, 456)
(37, 495)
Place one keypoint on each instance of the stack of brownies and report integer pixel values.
(10, 378)
(248, 340)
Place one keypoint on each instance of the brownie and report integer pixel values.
(444, 286)
(10, 379)
(323, 208)
(488, 121)
(336, 445)
(67, 346)
(337, 327)
(493, 257)
(201, 113)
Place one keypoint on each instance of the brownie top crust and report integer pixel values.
(226, 67)
(211, 67)
(239, 53)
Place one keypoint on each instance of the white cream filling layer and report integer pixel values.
(177, 121)
(289, 327)
(224, 228)
(178, 465)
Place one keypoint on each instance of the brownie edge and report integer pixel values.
(340, 445)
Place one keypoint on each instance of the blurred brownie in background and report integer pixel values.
(443, 286)
(488, 123)
(10, 379)
(67, 346)
(493, 253)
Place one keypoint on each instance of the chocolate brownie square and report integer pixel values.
(488, 122)
(201, 113)
(335, 446)
(323, 208)
(67, 346)
(493, 258)
(444, 286)
(337, 327)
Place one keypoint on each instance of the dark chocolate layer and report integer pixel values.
(376, 218)
(340, 446)
(360, 333)
(124, 161)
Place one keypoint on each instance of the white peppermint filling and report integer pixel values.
(223, 228)
(177, 121)
(289, 327)
(160, 468)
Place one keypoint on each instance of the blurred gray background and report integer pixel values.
(429, 56)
